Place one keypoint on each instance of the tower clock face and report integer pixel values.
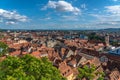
(104, 59)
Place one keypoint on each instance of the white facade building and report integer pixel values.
(115, 51)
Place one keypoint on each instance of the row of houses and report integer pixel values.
(66, 55)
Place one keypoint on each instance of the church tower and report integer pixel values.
(107, 40)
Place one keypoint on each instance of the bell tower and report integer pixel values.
(107, 40)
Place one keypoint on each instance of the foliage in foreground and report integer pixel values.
(89, 73)
(3, 49)
(28, 68)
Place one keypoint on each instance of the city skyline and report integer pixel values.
(59, 14)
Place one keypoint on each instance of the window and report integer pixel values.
(65, 72)
(68, 70)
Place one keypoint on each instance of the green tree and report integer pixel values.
(1, 36)
(93, 36)
(86, 72)
(3, 49)
(89, 73)
(101, 76)
(28, 68)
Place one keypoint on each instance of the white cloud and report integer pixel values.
(69, 18)
(115, 10)
(12, 17)
(106, 21)
(115, 0)
(1, 20)
(62, 6)
(112, 13)
(10, 22)
(83, 6)
(46, 18)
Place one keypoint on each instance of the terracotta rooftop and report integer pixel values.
(65, 69)
(15, 53)
(36, 54)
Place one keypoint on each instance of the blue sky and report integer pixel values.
(59, 14)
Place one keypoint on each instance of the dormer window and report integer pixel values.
(65, 72)
(68, 70)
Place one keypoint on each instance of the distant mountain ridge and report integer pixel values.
(112, 29)
(107, 29)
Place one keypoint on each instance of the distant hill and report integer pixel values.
(110, 29)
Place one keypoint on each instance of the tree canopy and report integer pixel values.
(3, 49)
(89, 73)
(93, 36)
(28, 68)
